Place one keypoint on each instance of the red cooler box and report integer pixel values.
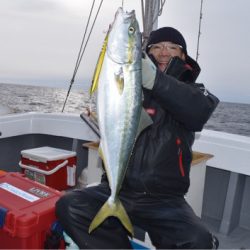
(27, 212)
(53, 167)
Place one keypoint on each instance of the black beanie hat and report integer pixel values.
(166, 34)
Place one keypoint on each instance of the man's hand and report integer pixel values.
(148, 72)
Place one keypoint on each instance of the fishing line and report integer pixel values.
(90, 32)
(79, 56)
(83, 39)
(82, 49)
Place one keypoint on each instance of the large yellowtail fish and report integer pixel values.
(119, 99)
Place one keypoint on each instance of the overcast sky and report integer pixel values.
(40, 40)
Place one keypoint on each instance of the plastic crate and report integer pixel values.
(27, 212)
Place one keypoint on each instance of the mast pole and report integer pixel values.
(150, 18)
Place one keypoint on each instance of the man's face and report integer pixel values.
(164, 51)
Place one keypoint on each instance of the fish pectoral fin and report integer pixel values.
(115, 209)
(119, 80)
(145, 121)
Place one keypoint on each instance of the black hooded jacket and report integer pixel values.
(161, 159)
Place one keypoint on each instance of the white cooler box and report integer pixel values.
(53, 167)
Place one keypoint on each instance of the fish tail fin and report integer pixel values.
(115, 209)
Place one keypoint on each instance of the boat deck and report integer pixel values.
(239, 238)
(226, 204)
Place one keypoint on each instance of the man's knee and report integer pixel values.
(62, 208)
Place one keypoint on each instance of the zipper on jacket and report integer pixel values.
(180, 157)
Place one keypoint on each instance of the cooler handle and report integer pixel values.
(52, 171)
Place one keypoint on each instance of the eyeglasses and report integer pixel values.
(158, 47)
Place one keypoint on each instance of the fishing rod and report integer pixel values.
(93, 126)
(199, 32)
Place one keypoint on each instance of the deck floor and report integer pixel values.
(239, 238)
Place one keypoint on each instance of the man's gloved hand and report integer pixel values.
(148, 72)
(179, 69)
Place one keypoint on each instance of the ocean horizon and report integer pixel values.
(18, 98)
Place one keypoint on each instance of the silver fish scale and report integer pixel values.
(118, 113)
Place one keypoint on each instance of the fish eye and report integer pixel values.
(131, 30)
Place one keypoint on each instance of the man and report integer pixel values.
(157, 177)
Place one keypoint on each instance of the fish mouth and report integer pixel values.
(125, 14)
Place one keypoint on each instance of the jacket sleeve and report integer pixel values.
(189, 103)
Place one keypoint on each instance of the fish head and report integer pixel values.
(124, 36)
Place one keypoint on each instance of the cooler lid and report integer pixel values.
(44, 154)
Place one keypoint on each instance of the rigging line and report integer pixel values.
(92, 27)
(162, 3)
(199, 33)
(80, 58)
(83, 39)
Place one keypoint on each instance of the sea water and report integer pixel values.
(228, 117)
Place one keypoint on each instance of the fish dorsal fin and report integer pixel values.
(145, 121)
(119, 80)
(98, 66)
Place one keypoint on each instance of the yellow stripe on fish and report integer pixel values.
(98, 67)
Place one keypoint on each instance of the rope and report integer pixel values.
(199, 33)
(82, 50)
(162, 3)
